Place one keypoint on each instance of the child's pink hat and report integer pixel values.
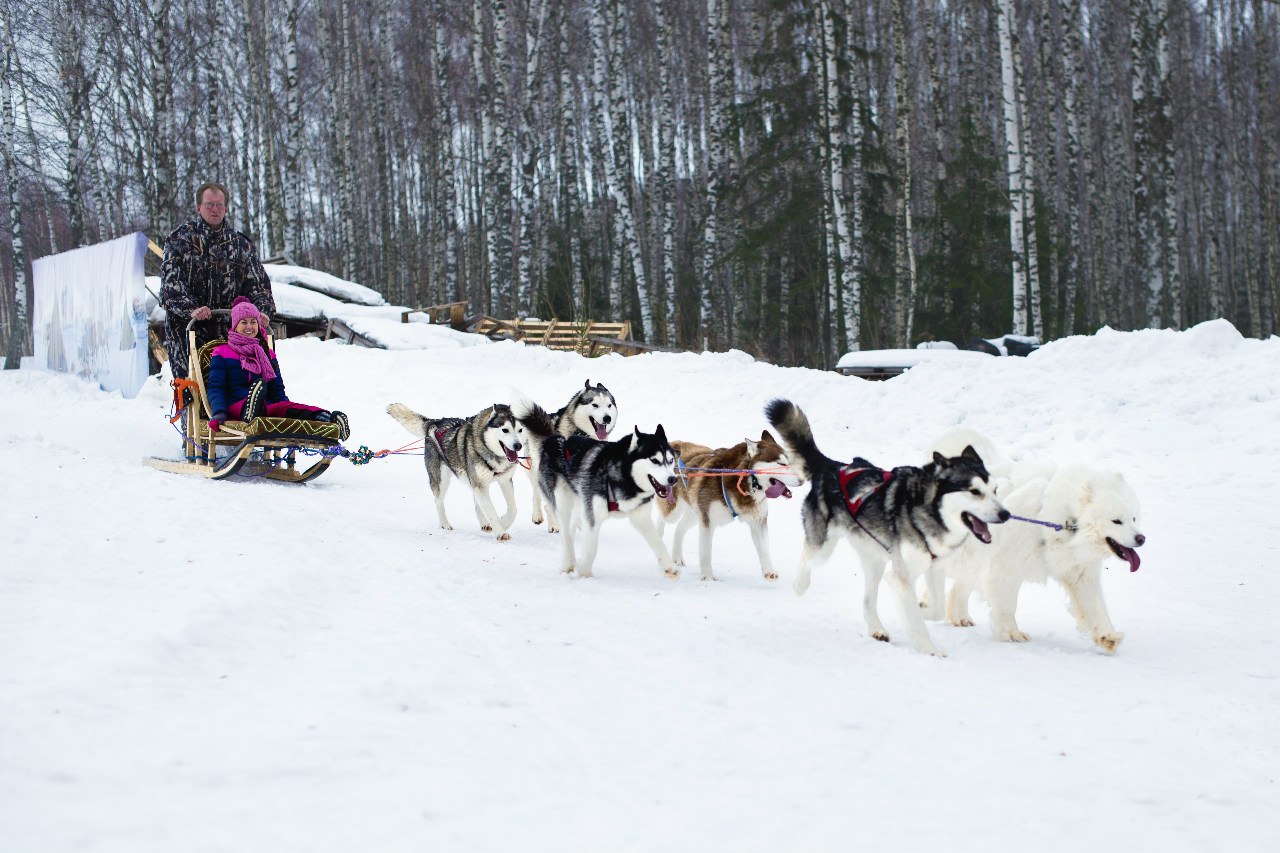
(243, 309)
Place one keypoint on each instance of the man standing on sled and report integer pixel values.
(207, 264)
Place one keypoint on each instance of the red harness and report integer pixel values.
(847, 475)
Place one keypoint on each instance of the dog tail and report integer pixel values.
(534, 417)
(415, 423)
(793, 427)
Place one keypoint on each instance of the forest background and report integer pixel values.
(793, 179)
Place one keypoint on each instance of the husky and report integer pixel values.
(479, 450)
(713, 501)
(908, 516)
(586, 481)
(592, 411)
(1086, 517)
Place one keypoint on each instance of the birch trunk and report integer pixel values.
(1267, 169)
(18, 320)
(1071, 25)
(499, 200)
(622, 173)
(164, 201)
(904, 253)
(570, 205)
(76, 85)
(717, 130)
(666, 162)
(293, 131)
(529, 151)
(1028, 186)
(447, 158)
(1013, 166)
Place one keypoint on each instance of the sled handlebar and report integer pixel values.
(215, 312)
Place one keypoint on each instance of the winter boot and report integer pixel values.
(255, 405)
(340, 419)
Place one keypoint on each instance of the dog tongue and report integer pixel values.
(671, 496)
(777, 488)
(600, 432)
(979, 528)
(1132, 556)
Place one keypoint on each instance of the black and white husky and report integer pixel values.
(906, 516)
(586, 481)
(592, 411)
(482, 449)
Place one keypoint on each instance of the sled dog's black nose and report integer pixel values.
(1004, 515)
(1140, 539)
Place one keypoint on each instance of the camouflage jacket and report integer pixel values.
(201, 269)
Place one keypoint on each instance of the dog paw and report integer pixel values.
(505, 537)
(934, 651)
(770, 576)
(1108, 642)
(551, 528)
(882, 636)
(710, 577)
(962, 623)
(671, 572)
(1013, 636)
(488, 528)
(537, 519)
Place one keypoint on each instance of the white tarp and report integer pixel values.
(89, 316)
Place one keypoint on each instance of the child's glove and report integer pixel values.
(216, 421)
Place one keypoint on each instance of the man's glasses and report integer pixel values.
(213, 205)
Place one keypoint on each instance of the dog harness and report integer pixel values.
(871, 480)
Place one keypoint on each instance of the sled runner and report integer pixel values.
(266, 446)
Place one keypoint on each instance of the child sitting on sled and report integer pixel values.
(244, 377)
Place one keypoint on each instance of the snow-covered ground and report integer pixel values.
(188, 665)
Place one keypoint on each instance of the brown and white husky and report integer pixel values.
(713, 497)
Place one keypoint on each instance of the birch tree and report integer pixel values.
(18, 319)
(1013, 166)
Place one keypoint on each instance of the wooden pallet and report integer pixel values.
(588, 338)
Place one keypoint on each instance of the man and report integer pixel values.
(207, 264)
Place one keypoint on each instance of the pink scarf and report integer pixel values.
(253, 357)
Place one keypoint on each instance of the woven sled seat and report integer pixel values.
(286, 426)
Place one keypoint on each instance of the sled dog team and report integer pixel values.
(924, 523)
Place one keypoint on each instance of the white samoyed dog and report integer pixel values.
(1088, 516)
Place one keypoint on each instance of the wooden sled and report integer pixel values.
(264, 447)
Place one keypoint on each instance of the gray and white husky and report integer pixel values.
(586, 481)
(480, 450)
(906, 516)
(592, 411)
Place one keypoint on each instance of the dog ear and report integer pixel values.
(752, 446)
(587, 385)
(661, 435)
(634, 439)
(765, 435)
(970, 453)
(939, 459)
